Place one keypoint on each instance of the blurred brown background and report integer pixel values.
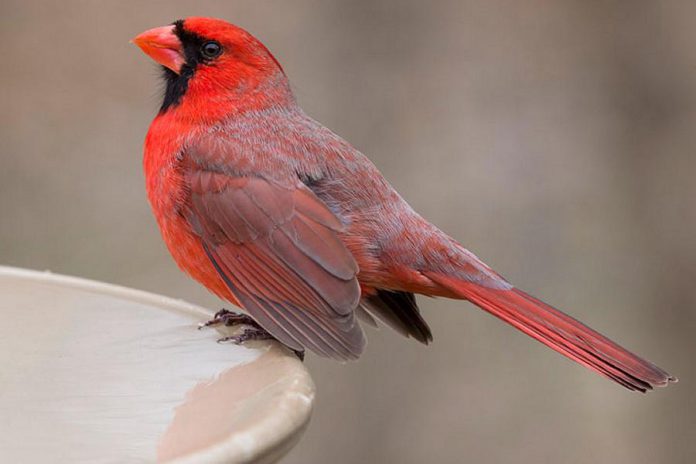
(556, 139)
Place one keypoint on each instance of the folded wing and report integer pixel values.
(278, 250)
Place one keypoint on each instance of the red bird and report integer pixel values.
(275, 213)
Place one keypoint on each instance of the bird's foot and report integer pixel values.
(248, 334)
(253, 332)
(229, 319)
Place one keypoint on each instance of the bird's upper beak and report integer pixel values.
(162, 45)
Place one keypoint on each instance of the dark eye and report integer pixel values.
(211, 49)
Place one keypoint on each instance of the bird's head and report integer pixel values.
(215, 67)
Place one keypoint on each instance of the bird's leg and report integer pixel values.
(229, 319)
(253, 332)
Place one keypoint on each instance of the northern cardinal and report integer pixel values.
(275, 213)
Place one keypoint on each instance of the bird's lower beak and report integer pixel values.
(162, 45)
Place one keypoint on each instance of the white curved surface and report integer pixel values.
(92, 372)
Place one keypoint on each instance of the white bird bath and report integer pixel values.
(92, 372)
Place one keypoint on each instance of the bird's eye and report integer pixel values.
(211, 49)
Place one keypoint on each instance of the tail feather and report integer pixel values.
(561, 332)
(400, 311)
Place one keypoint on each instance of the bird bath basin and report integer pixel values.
(92, 372)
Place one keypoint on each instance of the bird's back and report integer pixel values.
(285, 146)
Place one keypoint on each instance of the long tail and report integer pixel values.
(561, 332)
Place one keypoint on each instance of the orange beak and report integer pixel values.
(162, 45)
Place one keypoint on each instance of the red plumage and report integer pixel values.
(275, 213)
